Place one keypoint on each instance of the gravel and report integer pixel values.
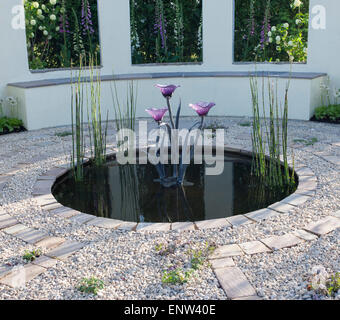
(128, 263)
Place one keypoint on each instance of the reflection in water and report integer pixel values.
(130, 193)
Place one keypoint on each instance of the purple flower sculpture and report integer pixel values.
(167, 90)
(202, 108)
(157, 114)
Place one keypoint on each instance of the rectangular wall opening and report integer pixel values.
(164, 31)
(273, 31)
(59, 32)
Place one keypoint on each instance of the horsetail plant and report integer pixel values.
(77, 114)
(270, 134)
(97, 131)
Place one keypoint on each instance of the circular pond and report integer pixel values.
(130, 192)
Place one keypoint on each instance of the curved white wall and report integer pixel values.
(324, 47)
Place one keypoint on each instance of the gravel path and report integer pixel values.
(128, 263)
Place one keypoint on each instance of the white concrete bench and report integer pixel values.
(46, 103)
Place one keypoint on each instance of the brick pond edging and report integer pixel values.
(231, 278)
(305, 191)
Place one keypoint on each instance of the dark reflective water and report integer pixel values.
(129, 193)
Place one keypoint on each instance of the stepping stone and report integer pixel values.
(65, 250)
(333, 159)
(50, 242)
(182, 226)
(254, 247)
(280, 242)
(222, 263)
(282, 207)
(31, 235)
(153, 227)
(302, 234)
(105, 223)
(262, 214)
(128, 226)
(45, 262)
(19, 276)
(324, 226)
(296, 199)
(304, 171)
(229, 250)
(7, 221)
(239, 220)
(15, 229)
(4, 270)
(234, 283)
(214, 223)
(81, 218)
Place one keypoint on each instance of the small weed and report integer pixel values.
(333, 285)
(165, 249)
(30, 256)
(63, 134)
(91, 285)
(306, 142)
(176, 276)
(245, 124)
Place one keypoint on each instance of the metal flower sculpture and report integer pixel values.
(202, 109)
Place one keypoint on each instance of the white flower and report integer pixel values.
(290, 43)
(278, 48)
(270, 40)
(35, 5)
(274, 29)
(43, 7)
(57, 28)
(278, 38)
(33, 22)
(297, 3)
(286, 25)
(45, 33)
(291, 58)
(41, 28)
(269, 34)
(297, 21)
(41, 17)
(53, 17)
(53, 2)
(39, 12)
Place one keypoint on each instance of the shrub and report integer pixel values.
(328, 113)
(8, 125)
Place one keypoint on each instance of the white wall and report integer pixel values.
(324, 48)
